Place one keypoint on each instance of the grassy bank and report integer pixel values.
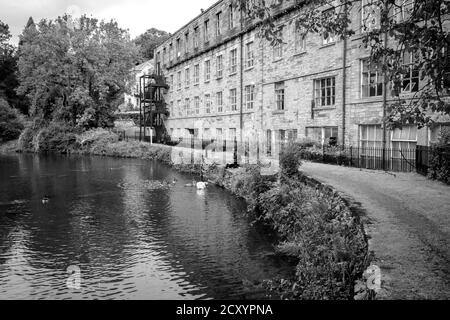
(315, 228)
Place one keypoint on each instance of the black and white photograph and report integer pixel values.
(254, 151)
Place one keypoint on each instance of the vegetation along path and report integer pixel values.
(408, 221)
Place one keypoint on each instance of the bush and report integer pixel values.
(11, 122)
(57, 137)
(439, 161)
(290, 159)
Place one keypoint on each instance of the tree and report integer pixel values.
(8, 70)
(149, 41)
(75, 70)
(404, 37)
(10, 122)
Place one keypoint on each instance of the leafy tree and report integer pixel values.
(10, 122)
(8, 70)
(75, 70)
(149, 41)
(393, 30)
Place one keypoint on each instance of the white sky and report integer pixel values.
(135, 15)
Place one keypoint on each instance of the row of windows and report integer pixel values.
(183, 108)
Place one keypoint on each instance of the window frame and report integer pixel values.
(319, 90)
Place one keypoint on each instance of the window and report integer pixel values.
(219, 66)
(171, 52)
(249, 96)
(278, 46)
(405, 138)
(171, 109)
(325, 92)
(186, 43)
(196, 74)
(269, 142)
(322, 135)
(164, 56)
(180, 110)
(207, 103)
(187, 77)
(196, 37)
(197, 105)
(232, 134)
(219, 134)
(300, 40)
(219, 101)
(231, 16)
(179, 80)
(371, 136)
(370, 15)
(207, 70)
(403, 10)
(279, 95)
(292, 135)
(282, 139)
(206, 30)
(250, 58)
(328, 37)
(371, 79)
(233, 61)
(218, 23)
(178, 47)
(410, 80)
(171, 82)
(233, 99)
(187, 107)
(206, 133)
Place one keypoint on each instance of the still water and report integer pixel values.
(132, 233)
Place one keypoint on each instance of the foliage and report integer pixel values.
(11, 123)
(290, 159)
(75, 70)
(8, 71)
(149, 41)
(439, 161)
(391, 29)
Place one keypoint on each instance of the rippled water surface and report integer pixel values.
(133, 234)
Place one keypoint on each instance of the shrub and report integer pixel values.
(439, 161)
(57, 137)
(11, 122)
(290, 159)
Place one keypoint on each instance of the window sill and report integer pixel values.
(299, 54)
(325, 108)
(278, 112)
(327, 45)
(233, 74)
(207, 81)
(277, 60)
(249, 69)
(219, 78)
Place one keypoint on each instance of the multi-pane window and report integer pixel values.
(197, 105)
(196, 37)
(233, 99)
(292, 135)
(231, 17)
(207, 70)
(232, 134)
(370, 15)
(328, 37)
(179, 80)
(218, 23)
(410, 80)
(282, 139)
(187, 106)
(196, 74)
(171, 81)
(278, 46)
(403, 10)
(300, 40)
(219, 101)
(219, 66)
(404, 138)
(279, 95)
(249, 55)
(207, 103)
(233, 61)
(371, 136)
(219, 134)
(322, 135)
(171, 52)
(325, 92)
(249, 96)
(206, 31)
(172, 109)
(187, 77)
(371, 79)
(178, 47)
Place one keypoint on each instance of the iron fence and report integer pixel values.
(434, 156)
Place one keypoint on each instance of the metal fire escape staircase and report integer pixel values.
(153, 108)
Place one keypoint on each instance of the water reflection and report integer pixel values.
(134, 234)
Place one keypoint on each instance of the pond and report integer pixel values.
(131, 228)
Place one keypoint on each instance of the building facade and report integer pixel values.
(226, 82)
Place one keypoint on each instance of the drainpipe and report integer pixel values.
(344, 81)
(241, 116)
(385, 85)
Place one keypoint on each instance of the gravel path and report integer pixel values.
(409, 225)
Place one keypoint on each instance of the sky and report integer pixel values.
(135, 15)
